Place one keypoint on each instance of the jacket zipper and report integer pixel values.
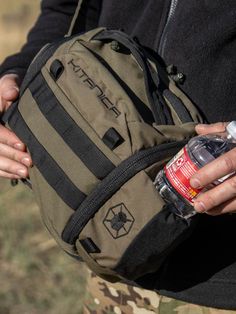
(118, 177)
(163, 40)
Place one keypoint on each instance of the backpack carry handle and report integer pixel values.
(159, 109)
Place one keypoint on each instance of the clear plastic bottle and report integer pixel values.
(173, 182)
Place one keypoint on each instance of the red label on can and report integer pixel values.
(178, 171)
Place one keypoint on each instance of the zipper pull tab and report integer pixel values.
(178, 78)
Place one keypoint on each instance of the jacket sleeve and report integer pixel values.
(52, 24)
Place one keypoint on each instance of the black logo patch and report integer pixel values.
(118, 221)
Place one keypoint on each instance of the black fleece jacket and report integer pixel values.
(198, 36)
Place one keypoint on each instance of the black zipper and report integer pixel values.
(112, 183)
(170, 17)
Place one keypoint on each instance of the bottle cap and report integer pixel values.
(231, 129)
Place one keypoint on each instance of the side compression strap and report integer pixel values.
(49, 169)
(92, 157)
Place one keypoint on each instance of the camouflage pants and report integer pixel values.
(107, 298)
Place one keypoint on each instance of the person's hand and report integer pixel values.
(222, 198)
(14, 160)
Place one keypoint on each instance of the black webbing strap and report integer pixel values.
(92, 157)
(160, 112)
(47, 166)
(89, 246)
(178, 106)
(10, 111)
(56, 69)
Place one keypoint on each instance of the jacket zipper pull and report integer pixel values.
(178, 77)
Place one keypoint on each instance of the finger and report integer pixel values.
(13, 167)
(4, 104)
(225, 208)
(14, 154)
(10, 93)
(7, 175)
(9, 138)
(211, 128)
(10, 80)
(216, 169)
(216, 196)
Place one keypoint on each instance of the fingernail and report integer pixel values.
(21, 172)
(199, 206)
(19, 146)
(195, 183)
(26, 161)
(15, 88)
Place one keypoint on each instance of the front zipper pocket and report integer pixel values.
(113, 182)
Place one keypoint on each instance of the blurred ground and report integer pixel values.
(16, 17)
(35, 276)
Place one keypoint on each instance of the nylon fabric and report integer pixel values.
(55, 144)
(98, 90)
(69, 130)
(63, 186)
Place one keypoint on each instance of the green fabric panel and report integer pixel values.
(55, 213)
(57, 148)
(73, 111)
(141, 202)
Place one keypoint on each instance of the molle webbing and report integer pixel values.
(71, 133)
(50, 170)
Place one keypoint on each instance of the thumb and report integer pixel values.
(202, 129)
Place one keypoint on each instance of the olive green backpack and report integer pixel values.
(100, 116)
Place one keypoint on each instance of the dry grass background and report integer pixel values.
(35, 276)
